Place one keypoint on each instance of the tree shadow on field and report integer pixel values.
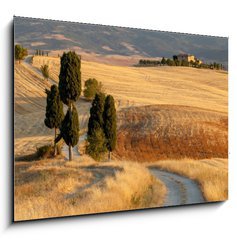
(25, 105)
(99, 173)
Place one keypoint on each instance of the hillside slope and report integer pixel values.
(134, 86)
(156, 132)
(109, 40)
(177, 112)
(30, 101)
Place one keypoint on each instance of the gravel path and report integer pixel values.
(181, 190)
(75, 151)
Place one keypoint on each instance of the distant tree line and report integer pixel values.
(214, 65)
(175, 62)
(39, 52)
(149, 62)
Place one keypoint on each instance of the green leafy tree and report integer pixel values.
(20, 53)
(110, 124)
(184, 63)
(95, 135)
(170, 62)
(54, 111)
(97, 144)
(70, 89)
(92, 86)
(163, 61)
(69, 129)
(45, 71)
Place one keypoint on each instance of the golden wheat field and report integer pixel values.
(54, 188)
(154, 85)
(174, 118)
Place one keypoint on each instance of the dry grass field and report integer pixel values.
(138, 86)
(164, 113)
(54, 188)
(30, 102)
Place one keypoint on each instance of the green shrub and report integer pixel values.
(45, 71)
(92, 87)
(45, 151)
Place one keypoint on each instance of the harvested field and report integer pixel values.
(151, 133)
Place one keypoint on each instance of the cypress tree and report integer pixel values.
(54, 111)
(69, 129)
(70, 90)
(95, 134)
(163, 61)
(70, 78)
(110, 124)
(96, 113)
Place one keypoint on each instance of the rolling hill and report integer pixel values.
(116, 41)
(182, 111)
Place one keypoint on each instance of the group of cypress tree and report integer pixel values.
(102, 122)
(68, 92)
(102, 126)
(39, 52)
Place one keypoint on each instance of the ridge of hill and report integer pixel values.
(108, 40)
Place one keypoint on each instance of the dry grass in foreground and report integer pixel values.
(54, 188)
(211, 174)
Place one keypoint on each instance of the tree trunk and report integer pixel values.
(70, 152)
(109, 155)
(55, 146)
(70, 109)
(70, 146)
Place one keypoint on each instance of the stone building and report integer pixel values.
(186, 57)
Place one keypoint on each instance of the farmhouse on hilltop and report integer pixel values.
(188, 58)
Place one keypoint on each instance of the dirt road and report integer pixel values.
(181, 190)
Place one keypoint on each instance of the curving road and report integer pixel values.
(181, 190)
